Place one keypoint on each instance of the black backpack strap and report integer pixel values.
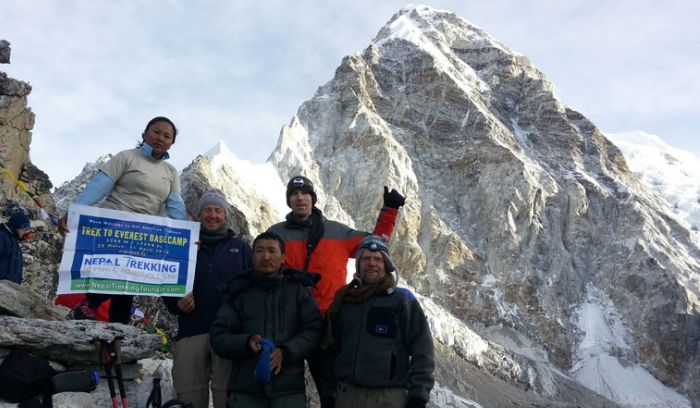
(154, 399)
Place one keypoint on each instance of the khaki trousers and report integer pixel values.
(195, 366)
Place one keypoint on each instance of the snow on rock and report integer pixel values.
(444, 397)
(605, 359)
(451, 331)
(254, 191)
(672, 173)
(260, 178)
(626, 383)
(68, 191)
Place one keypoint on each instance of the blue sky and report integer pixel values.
(237, 71)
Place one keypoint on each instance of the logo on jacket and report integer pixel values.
(383, 322)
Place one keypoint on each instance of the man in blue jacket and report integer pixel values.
(379, 338)
(220, 256)
(11, 233)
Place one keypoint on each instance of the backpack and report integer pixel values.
(74, 381)
(23, 376)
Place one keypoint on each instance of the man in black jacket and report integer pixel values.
(11, 233)
(267, 326)
(379, 337)
(220, 256)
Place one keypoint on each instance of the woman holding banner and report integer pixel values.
(136, 180)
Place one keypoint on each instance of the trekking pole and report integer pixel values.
(117, 348)
(107, 362)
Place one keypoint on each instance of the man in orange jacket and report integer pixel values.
(316, 244)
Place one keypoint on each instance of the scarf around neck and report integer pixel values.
(314, 230)
(212, 237)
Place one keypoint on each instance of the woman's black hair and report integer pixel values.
(156, 120)
(162, 119)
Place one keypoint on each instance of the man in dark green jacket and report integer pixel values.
(269, 323)
(379, 338)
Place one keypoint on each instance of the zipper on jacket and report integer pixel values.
(363, 325)
(267, 308)
(280, 311)
(307, 245)
(392, 364)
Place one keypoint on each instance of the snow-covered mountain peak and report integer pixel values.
(515, 202)
(415, 23)
(237, 177)
(220, 149)
(672, 173)
(443, 36)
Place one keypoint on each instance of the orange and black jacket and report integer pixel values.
(330, 256)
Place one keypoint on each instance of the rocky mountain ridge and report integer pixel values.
(520, 211)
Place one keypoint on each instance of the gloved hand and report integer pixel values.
(414, 402)
(393, 199)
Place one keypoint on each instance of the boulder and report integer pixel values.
(21, 301)
(70, 342)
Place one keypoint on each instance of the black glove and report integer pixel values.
(327, 402)
(414, 402)
(393, 199)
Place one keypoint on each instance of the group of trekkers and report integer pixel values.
(255, 315)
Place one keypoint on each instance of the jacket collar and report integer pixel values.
(147, 149)
(245, 280)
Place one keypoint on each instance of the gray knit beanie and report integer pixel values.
(378, 244)
(212, 197)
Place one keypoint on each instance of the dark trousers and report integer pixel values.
(321, 369)
(119, 308)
